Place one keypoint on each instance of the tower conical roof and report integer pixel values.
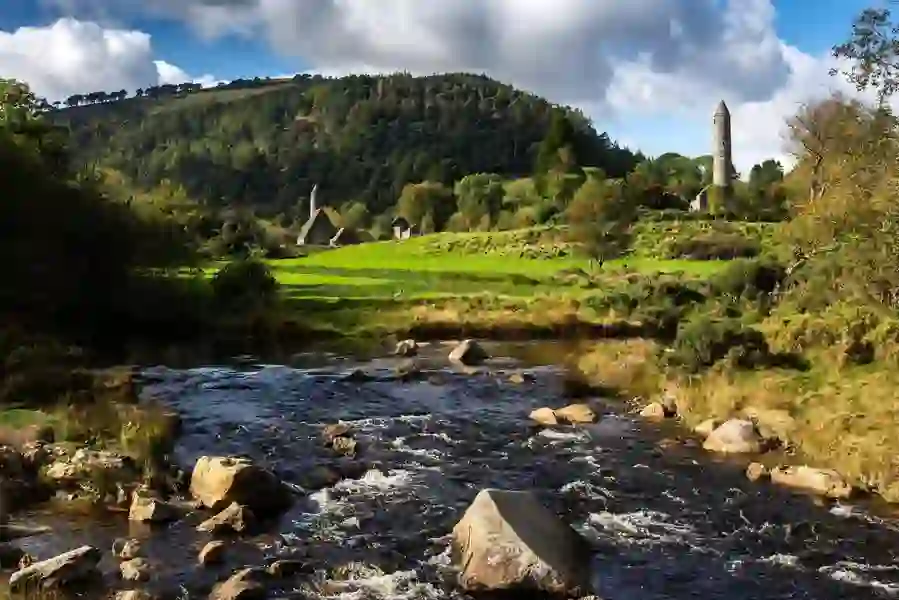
(721, 109)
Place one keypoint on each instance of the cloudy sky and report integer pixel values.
(647, 71)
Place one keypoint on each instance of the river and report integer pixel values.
(667, 520)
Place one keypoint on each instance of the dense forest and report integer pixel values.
(264, 143)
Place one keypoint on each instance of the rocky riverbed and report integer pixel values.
(335, 477)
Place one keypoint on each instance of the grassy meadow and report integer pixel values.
(497, 284)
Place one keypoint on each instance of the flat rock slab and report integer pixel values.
(69, 567)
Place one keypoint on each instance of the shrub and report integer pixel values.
(657, 303)
(703, 341)
(715, 246)
(245, 285)
(749, 278)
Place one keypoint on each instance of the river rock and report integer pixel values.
(508, 541)
(151, 510)
(544, 416)
(235, 518)
(335, 430)
(517, 378)
(655, 411)
(777, 424)
(246, 584)
(69, 567)
(136, 569)
(575, 414)
(88, 464)
(213, 553)
(339, 437)
(469, 352)
(126, 549)
(287, 567)
(219, 481)
(345, 446)
(706, 428)
(406, 348)
(825, 482)
(736, 436)
(134, 595)
(407, 370)
(756, 471)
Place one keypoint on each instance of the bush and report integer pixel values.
(657, 303)
(703, 341)
(245, 285)
(749, 278)
(715, 246)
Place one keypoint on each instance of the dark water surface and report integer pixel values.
(667, 523)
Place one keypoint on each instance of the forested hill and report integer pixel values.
(263, 143)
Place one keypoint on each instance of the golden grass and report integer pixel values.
(625, 367)
(844, 418)
(847, 420)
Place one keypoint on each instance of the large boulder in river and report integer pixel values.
(508, 541)
(469, 352)
(825, 482)
(736, 436)
(219, 481)
(70, 567)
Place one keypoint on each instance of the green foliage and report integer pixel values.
(361, 138)
(660, 303)
(427, 203)
(873, 50)
(600, 218)
(479, 198)
(749, 278)
(77, 254)
(715, 246)
(704, 340)
(245, 285)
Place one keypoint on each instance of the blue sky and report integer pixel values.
(654, 105)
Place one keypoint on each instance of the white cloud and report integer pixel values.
(628, 64)
(169, 73)
(566, 49)
(72, 56)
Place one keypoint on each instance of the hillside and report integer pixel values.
(264, 143)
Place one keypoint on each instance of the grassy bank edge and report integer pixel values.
(838, 418)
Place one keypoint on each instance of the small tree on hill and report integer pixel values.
(479, 198)
(600, 217)
(426, 204)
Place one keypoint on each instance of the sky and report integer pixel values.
(648, 72)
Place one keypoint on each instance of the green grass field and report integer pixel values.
(441, 265)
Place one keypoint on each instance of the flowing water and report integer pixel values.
(667, 522)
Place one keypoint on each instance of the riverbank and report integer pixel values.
(827, 416)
